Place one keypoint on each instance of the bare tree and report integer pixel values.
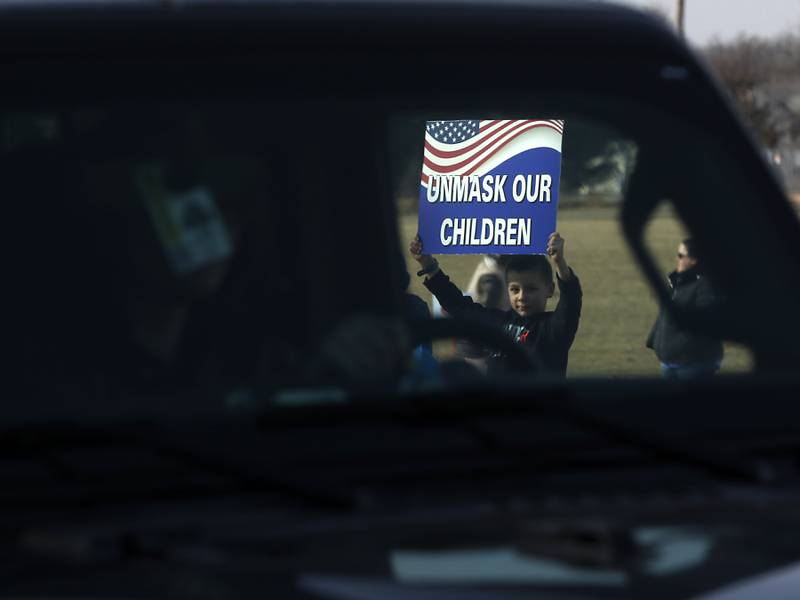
(744, 67)
(763, 76)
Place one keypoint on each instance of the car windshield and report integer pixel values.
(169, 254)
(618, 310)
(193, 250)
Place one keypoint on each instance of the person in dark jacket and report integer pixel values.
(529, 279)
(684, 354)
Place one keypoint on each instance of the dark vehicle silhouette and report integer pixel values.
(176, 424)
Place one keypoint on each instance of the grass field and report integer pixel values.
(618, 305)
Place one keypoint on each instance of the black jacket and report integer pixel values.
(675, 345)
(549, 334)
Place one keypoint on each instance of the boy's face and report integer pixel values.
(528, 292)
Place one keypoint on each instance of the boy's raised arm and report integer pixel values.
(447, 293)
(568, 311)
(555, 248)
(426, 261)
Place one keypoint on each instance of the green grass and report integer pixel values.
(618, 306)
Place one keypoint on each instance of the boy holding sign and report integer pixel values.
(491, 186)
(530, 284)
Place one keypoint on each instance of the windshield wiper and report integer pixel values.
(43, 444)
(657, 446)
(260, 480)
(515, 397)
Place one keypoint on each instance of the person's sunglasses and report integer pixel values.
(682, 255)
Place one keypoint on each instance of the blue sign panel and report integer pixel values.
(490, 187)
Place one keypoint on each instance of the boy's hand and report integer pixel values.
(415, 248)
(555, 248)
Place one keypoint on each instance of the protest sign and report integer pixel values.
(490, 186)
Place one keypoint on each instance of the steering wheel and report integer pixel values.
(477, 332)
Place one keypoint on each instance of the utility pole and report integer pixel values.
(680, 17)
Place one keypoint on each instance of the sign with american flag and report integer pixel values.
(490, 186)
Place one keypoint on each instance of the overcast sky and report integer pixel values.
(705, 19)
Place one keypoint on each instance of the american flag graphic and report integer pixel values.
(463, 147)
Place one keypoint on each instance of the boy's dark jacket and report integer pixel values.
(548, 334)
(674, 345)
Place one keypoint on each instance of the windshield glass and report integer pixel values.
(619, 313)
(182, 254)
